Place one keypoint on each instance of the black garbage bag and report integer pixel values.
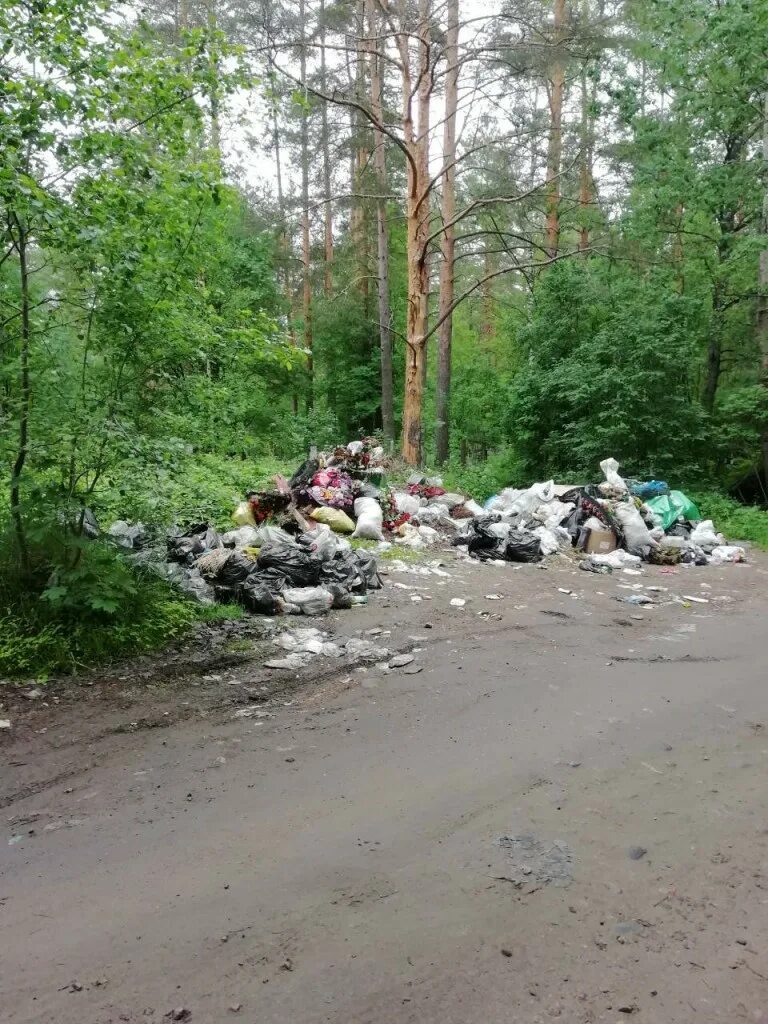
(302, 568)
(261, 590)
(522, 546)
(304, 474)
(482, 539)
(369, 568)
(345, 570)
(235, 570)
(257, 597)
(187, 546)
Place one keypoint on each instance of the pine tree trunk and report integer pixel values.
(328, 218)
(417, 230)
(448, 212)
(555, 146)
(305, 236)
(382, 228)
(25, 397)
(585, 162)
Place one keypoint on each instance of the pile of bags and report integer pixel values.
(271, 571)
(616, 523)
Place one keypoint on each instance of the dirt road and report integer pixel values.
(562, 815)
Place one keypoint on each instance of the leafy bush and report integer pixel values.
(82, 603)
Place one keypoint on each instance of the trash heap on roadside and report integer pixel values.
(616, 524)
(291, 551)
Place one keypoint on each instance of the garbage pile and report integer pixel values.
(291, 550)
(617, 524)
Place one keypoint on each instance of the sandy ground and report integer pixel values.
(558, 810)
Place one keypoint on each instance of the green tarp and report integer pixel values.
(673, 506)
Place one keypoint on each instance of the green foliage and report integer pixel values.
(84, 604)
(734, 520)
(609, 373)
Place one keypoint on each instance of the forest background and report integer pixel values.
(509, 238)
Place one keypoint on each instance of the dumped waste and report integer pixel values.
(293, 549)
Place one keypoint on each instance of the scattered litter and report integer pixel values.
(636, 599)
(5, 723)
(365, 649)
(493, 597)
(254, 711)
(457, 602)
(696, 600)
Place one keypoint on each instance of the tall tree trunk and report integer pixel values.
(361, 159)
(555, 146)
(585, 161)
(382, 228)
(489, 266)
(448, 212)
(285, 247)
(25, 397)
(762, 301)
(305, 237)
(328, 218)
(417, 230)
(714, 351)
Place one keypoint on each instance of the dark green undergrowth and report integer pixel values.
(734, 520)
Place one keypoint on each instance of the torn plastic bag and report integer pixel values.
(727, 553)
(187, 546)
(610, 468)
(436, 516)
(268, 535)
(473, 507)
(242, 537)
(451, 500)
(553, 513)
(705, 537)
(552, 539)
(243, 515)
(522, 546)
(304, 474)
(637, 537)
(301, 567)
(617, 560)
(346, 571)
(127, 535)
(260, 595)
(342, 598)
(483, 536)
(369, 568)
(322, 542)
(195, 586)
(404, 502)
(370, 519)
(589, 565)
(672, 507)
(511, 500)
(308, 600)
(645, 490)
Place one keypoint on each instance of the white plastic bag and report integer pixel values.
(704, 535)
(308, 600)
(428, 535)
(637, 536)
(617, 560)
(405, 502)
(727, 553)
(552, 539)
(370, 519)
(242, 537)
(610, 469)
(473, 507)
(409, 536)
(437, 516)
(451, 500)
(324, 542)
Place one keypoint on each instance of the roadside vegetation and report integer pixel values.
(173, 334)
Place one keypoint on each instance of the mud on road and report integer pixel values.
(557, 809)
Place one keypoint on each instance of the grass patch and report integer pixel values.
(734, 520)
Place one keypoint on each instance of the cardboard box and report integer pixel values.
(600, 542)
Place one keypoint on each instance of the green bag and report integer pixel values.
(674, 506)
